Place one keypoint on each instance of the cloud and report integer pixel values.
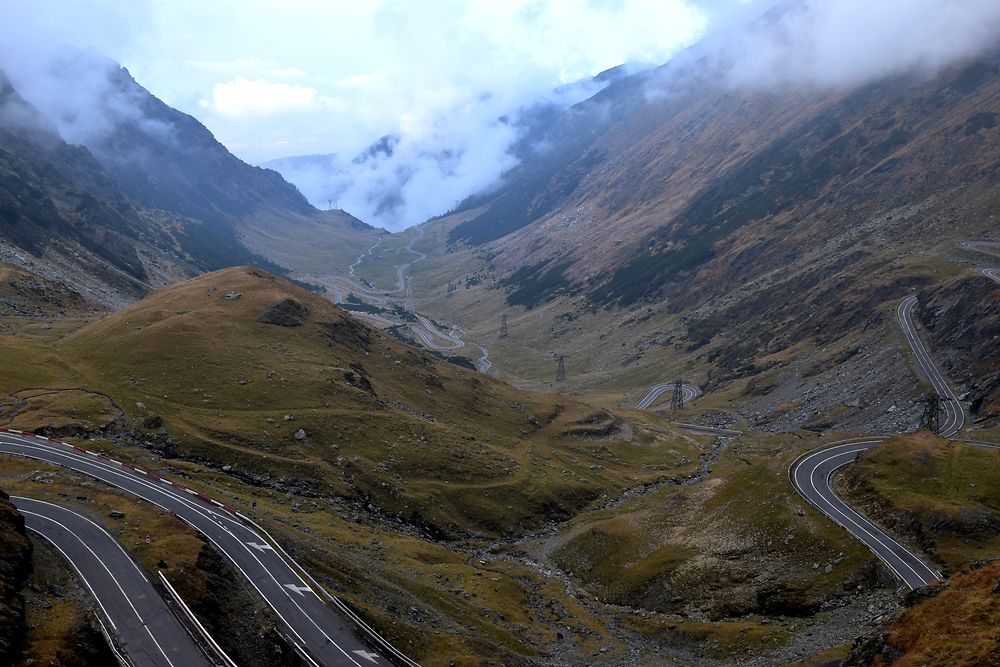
(334, 77)
(262, 68)
(244, 97)
(846, 43)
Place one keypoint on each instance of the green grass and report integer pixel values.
(437, 449)
(380, 266)
(683, 546)
(951, 489)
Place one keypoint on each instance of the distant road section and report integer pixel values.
(427, 333)
(991, 248)
(812, 473)
(954, 417)
(145, 629)
(690, 392)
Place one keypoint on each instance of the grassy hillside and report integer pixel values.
(204, 375)
(736, 237)
(955, 628)
(944, 496)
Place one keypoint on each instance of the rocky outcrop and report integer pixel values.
(963, 325)
(15, 565)
(285, 313)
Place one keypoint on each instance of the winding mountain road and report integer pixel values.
(991, 248)
(327, 634)
(690, 392)
(954, 415)
(139, 619)
(812, 473)
(427, 332)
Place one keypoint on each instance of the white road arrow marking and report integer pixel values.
(301, 590)
(260, 547)
(367, 656)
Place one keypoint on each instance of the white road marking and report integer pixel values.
(368, 656)
(80, 573)
(80, 460)
(174, 494)
(110, 574)
(95, 525)
(954, 412)
(690, 392)
(301, 590)
(260, 547)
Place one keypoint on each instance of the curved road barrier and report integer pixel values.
(328, 637)
(141, 623)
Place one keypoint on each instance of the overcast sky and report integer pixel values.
(272, 79)
(297, 77)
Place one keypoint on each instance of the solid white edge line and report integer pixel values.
(79, 573)
(198, 509)
(190, 614)
(96, 557)
(110, 574)
(793, 472)
(832, 506)
(875, 533)
(94, 524)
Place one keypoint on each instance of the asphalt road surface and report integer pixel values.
(427, 332)
(326, 636)
(140, 620)
(954, 415)
(991, 248)
(811, 475)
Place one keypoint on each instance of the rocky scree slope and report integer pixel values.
(15, 565)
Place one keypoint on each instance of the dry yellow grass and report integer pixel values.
(957, 628)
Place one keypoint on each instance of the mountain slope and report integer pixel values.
(681, 225)
(145, 197)
(669, 183)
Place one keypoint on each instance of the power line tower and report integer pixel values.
(677, 398)
(561, 368)
(932, 407)
(503, 326)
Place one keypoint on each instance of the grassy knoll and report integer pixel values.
(698, 565)
(943, 496)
